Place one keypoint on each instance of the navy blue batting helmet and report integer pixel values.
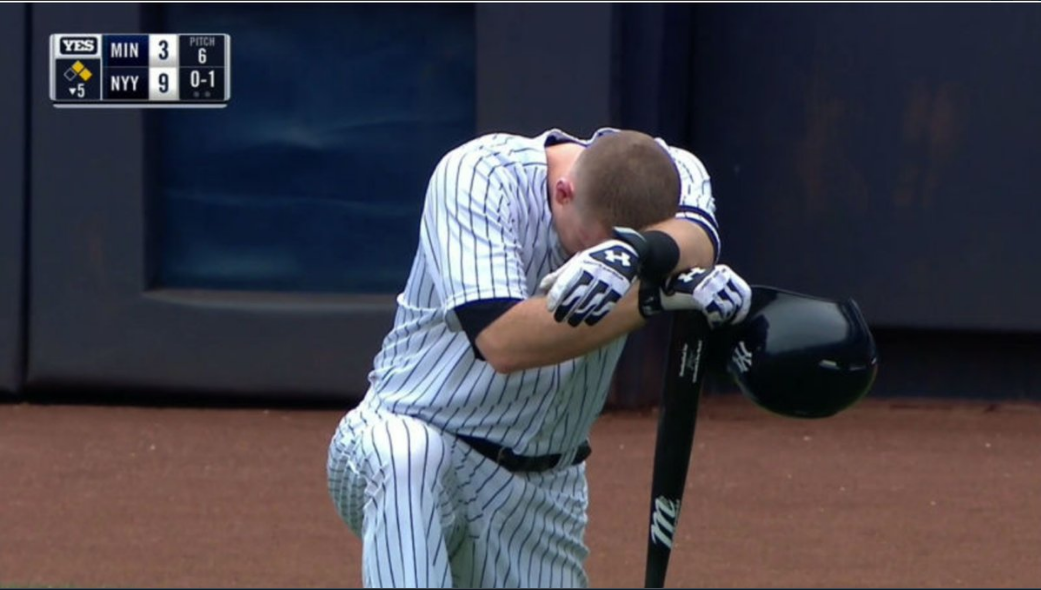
(801, 356)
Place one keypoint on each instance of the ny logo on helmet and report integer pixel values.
(742, 358)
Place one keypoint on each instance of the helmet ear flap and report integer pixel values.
(800, 356)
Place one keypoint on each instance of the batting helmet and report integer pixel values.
(801, 356)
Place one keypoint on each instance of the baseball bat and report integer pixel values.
(678, 413)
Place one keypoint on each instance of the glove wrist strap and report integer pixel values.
(662, 256)
(658, 252)
(649, 302)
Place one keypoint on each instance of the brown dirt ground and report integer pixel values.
(889, 494)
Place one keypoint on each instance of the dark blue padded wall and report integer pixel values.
(100, 315)
(878, 151)
(541, 66)
(313, 178)
(104, 315)
(13, 60)
(884, 151)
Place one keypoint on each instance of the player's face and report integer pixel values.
(591, 233)
(577, 230)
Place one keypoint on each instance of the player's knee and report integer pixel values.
(346, 482)
(416, 453)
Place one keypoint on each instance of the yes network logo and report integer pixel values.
(80, 45)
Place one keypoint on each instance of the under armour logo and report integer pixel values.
(688, 276)
(663, 523)
(742, 358)
(619, 257)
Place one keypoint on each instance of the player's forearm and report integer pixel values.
(527, 336)
(694, 244)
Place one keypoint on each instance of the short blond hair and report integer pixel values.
(628, 179)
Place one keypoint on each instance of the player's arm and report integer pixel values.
(694, 245)
(694, 229)
(526, 336)
(513, 335)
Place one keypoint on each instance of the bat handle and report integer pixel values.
(681, 392)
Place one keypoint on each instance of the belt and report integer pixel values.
(514, 463)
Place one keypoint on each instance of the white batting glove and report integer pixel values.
(719, 293)
(589, 285)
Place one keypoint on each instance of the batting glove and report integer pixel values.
(589, 285)
(719, 293)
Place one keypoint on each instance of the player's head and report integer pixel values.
(801, 356)
(622, 179)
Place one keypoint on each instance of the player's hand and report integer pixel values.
(719, 293)
(589, 285)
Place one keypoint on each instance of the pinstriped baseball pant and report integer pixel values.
(432, 513)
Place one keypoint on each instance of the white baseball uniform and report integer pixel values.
(431, 511)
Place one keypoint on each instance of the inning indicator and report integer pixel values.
(140, 70)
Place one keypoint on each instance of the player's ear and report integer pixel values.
(563, 191)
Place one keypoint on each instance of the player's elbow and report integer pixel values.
(501, 360)
(503, 366)
(502, 357)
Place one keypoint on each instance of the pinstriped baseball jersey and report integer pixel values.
(486, 232)
(432, 511)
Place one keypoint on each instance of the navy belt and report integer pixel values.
(515, 463)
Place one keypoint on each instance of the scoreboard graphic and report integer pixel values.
(140, 70)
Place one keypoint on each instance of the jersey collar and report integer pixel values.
(555, 136)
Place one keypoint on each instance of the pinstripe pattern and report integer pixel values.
(430, 511)
(433, 513)
(486, 232)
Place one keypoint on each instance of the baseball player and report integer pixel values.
(464, 463)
